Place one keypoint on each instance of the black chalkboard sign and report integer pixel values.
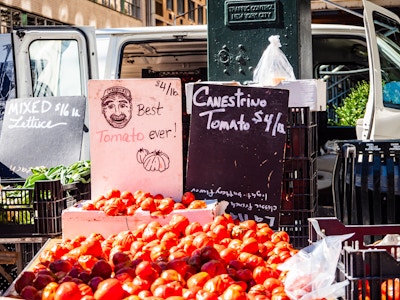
(43, 131)
(236, 150)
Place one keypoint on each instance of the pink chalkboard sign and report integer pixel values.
(236, 150)
(136, 136)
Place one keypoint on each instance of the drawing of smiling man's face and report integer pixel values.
(116, 105)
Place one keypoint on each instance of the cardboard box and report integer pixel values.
(76, 221)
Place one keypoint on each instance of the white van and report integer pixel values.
(59, 61)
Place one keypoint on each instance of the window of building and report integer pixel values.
(181, 6)
(191, 10)
(170, 4)
(200, 15)
(159, 8)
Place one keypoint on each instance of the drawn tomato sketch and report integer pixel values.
(153, 161)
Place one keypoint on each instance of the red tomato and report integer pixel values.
(214, 267)
(193, 227)
(261, 273)
(258, 290)
(172, 275)
(197, 204)
(179, 205)
(145, 270)
(250, 245)
(50, 290)
(113, 193)
(201, 240)
(198, 280)
(148, 204)
(280, 296)
(280, 236)
(390, 289)
(221, 232)
(228, 254)
(68, 291)
(85, 289)
(218, 284)
(179, 224)
(166, 206)
(271, 283)
(170, 289)
(109, 289)
(187, 198)
(92, 247)
(234, 291)
(205, 295)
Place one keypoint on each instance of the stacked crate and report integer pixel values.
(369, 265)
(367, 182)
(28, 217)
(299, 184)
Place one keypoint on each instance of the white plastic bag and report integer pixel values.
(311, 272)
(273, 66)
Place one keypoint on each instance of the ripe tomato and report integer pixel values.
(113, 193)
(173, 288)
(50, 290)
(85, 289)
(228, 254)
(205, 295)
(148, 204)
(198, 279)
(261, 273)
(390, 289)
(221, 232)
(187, 198)
(218, 284)
(280, 296)
(145, 270)
(68, 291)
(272, 283)
(92, 247)
(197, 204)
(214, 267)
(109, 289)
(179, 224)
(280, 236)
(234, 291)
(166, 206)
(250, 245)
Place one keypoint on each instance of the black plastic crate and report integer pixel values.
(301, 139)
(366, 182)
(16, 210)
(50, 199)
(299, 182)
(364, 263)
(295, 223)
(34, 211)
(82, 191)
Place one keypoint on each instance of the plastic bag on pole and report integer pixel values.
(273, 66)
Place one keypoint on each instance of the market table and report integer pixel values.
(47, 244)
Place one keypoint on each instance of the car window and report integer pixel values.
(388, 39)
(52, 63)
(342, 62)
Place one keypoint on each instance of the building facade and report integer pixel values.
(134, 13)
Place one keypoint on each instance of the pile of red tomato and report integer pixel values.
(115, 202)
(224, 259)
